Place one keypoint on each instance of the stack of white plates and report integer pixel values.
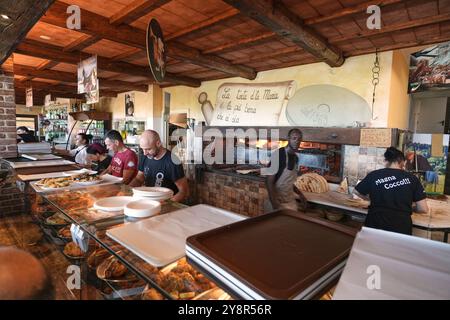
(152, 193)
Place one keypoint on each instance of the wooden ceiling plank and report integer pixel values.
(136, 10)
(39, 49)
(204, 24)
(94, 24)
(277, 18)
(81, 43)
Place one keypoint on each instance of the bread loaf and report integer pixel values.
(312, 182)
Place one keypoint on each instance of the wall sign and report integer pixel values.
(29, 97)
(240, 104)
(156, 50)
(381, 138)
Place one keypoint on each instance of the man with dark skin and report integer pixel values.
(23, 277)
(280, 185)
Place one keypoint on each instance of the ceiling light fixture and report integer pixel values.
(45, 37)
(4, 16)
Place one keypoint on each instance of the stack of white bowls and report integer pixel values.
(152, 193)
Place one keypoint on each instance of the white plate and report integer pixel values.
(159, 198)
(113, 203)
(151, 191)
(142, 208)
(77, 172)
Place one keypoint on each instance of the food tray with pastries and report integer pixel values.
(182, 281)
(70, 183)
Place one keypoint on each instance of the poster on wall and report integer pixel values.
(29, 97)
(87, 75)
(430, 69)
(129, 104)
(426, 162)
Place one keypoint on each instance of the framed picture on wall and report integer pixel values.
(129, 104)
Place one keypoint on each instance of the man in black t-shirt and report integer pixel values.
(158, 167)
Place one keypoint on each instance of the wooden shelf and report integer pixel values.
(91, 115)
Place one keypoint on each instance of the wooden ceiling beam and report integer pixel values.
(277, 18)
(393, 28)
(26, 71)
(45, 51)
(241, 43)
(68, 91)
(136, 10)
(81, 43)
(346, 12)
(194, 56)
(47, 65)
(94, 24)
(204, 24)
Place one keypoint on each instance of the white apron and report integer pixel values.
(285, 190)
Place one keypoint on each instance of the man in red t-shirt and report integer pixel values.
(125, 161)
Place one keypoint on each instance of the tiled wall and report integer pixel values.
(238, 195)
(359, 161)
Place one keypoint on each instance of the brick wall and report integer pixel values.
(11, 198)
(243, 196)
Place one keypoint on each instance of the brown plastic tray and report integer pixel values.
(277, 255)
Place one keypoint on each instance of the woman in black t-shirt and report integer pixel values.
(392, 192)
(98, 153)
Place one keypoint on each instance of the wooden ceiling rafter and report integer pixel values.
(82, 43)
(45, 51)
(136, 10)
(26, 71)
(124, 34)
(392, 28)
(279, 19)
(203, 24)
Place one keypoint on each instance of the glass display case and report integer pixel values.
(113, 270)
(108, 270)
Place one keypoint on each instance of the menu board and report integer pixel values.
(240, 104)
(381, 138)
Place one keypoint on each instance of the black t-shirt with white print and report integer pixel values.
(392, 193)
(161, 173)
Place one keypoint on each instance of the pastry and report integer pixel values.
(56, 219)
(65, 233)
(151, 294)
(73, 250)
(111, 268)
(343, 187)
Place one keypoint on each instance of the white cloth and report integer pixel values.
(80, 155)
